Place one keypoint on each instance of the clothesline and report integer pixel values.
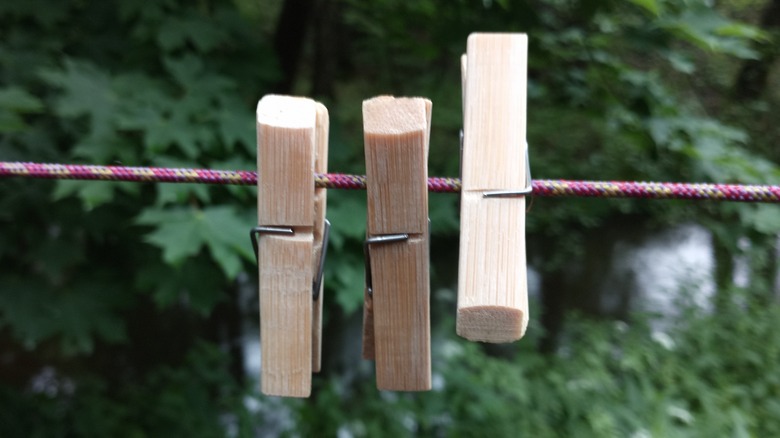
(541, 187)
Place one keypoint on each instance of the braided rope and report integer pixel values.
(546, 188)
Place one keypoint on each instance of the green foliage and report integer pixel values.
(114, 285)
(698, 23)
(109, 284)
(158, 87)
(14, 102)
(200, 390)
(181, 233)
(703, 374)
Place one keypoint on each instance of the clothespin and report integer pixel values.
(492, 283)
(397, 308)
(292, 234)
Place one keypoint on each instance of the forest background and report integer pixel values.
(126, 309)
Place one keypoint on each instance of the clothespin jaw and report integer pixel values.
(492, 282)
(291, 144)
(397, 313)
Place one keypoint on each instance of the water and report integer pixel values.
(674, 261)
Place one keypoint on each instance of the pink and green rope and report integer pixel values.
(541, 187)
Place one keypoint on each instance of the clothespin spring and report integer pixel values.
(387, 238)
(255, 232)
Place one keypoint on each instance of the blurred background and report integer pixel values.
(131, 309)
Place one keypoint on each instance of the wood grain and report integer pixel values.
(285, 161)
(492, 284)
(396, 129)
(396, 133)
(402, 338)
(286, 314)
(292, 139)
(492, 292)
(494, 120)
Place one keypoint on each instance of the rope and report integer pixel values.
(546, 188)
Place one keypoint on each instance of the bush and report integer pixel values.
(702, 375)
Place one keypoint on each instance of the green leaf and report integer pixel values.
(709, 30)
(10, 122)
(443, 213)
(19, 100)
(185, 69)
(346, 274)
(91, 193)
(347, 216)
(177, 233)
(182, 233)
(86, 91)
(80, 332)
(680, 62)
(203, 87)
(237, 126)
(196, 283)
(78, 314)
(651, 6)
(26, 309)
(739, 30)
(766, 219)
(227, 238)
(179, 193)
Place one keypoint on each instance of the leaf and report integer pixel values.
(347, 275)
(237, 127)
(182, 233)
(179, 193)
(86, 91)
(19, 100)
(88, 299)
(185, 69)
(709, 30)
(177, 130)
(766, 219)
(443, 213)
(651, 6)
(25, 308)
(177, 233)
(347, 216)
(227, 238)
(739, 30)
(680, 62)
(91, 193)
(77, 314)
(10, 122)
(196, 283)
(201, 85)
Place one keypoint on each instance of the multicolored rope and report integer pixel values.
(546, 188)
(657, 190)
(122, 173)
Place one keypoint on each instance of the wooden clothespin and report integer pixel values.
(397, 334)
(492, 284)
(292, 143)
